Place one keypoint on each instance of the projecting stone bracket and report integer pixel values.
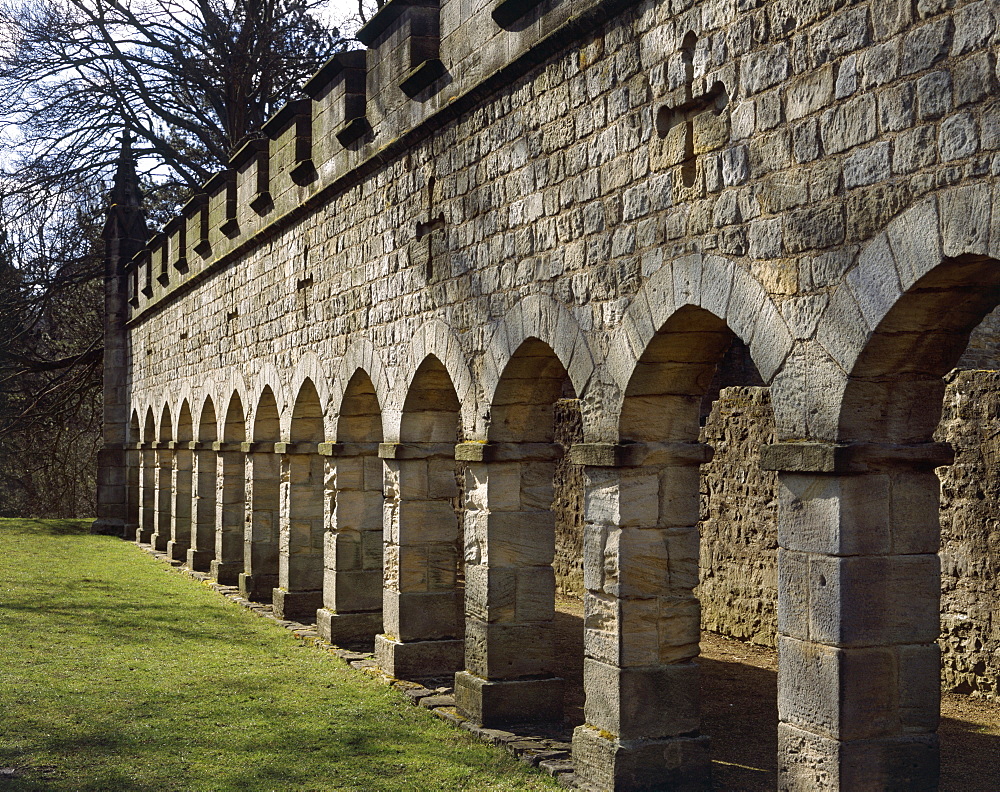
(507, 12)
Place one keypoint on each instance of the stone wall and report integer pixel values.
(970, 534)
(739, 529)
(739, 533)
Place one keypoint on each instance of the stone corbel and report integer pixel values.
(176, 233)
(158, 249)
(145, 257)
(853, 458)
(225, 182)
(508, 452)
(416, 450)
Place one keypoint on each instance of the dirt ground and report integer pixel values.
(740, 714)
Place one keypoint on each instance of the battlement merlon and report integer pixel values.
(427, 64)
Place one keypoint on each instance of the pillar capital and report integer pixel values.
(853, 458)
(638, 454)
(347, 449)
(415, 450)
(508, 452)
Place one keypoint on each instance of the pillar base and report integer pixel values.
(177, 551)
(159, 541)
(910, 763)
(494, 703)
(145, 536)
(200, 560)
(680, 764)
(348, 629)
(296, 605)
(130, 532)
(258, 588)
(225, 573)
(417, 659)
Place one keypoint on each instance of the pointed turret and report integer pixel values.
(126, 220)
(125, 234)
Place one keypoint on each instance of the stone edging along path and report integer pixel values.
(545, 746)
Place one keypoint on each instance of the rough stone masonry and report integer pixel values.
(334, 378)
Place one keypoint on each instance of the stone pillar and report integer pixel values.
(133, 494)
(642, 620)
(147, 493)
(230, 507)
(299, 593)
(180, 517)
(164, 495)
(420, 608)
(352, 578)
(203, 511)
(858, 615)
(262, 520)
(509, 585)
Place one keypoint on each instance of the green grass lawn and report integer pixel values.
(119, 673)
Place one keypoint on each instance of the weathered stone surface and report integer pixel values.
(547, 244)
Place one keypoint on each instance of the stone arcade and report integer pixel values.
(334, 377)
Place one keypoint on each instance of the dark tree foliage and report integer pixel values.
(190, 81)
(50, 363)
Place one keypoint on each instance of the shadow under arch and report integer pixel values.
(259, 577)
(422, 578)
(352, 582)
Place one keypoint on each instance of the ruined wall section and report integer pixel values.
(970, 534)
(739, 531)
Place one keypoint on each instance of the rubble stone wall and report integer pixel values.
(738, 590)
(970, 534)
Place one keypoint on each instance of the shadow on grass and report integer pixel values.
(47, 527)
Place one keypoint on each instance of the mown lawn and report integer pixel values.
(119, 673)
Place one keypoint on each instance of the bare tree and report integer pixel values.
(190, 80)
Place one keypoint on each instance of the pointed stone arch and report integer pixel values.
(310, 368)
(540, 317)
(361, 355)
(435, 339)
(718, 287)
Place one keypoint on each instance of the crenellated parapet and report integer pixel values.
(426, 63)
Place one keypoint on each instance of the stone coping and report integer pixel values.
(545, 746)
